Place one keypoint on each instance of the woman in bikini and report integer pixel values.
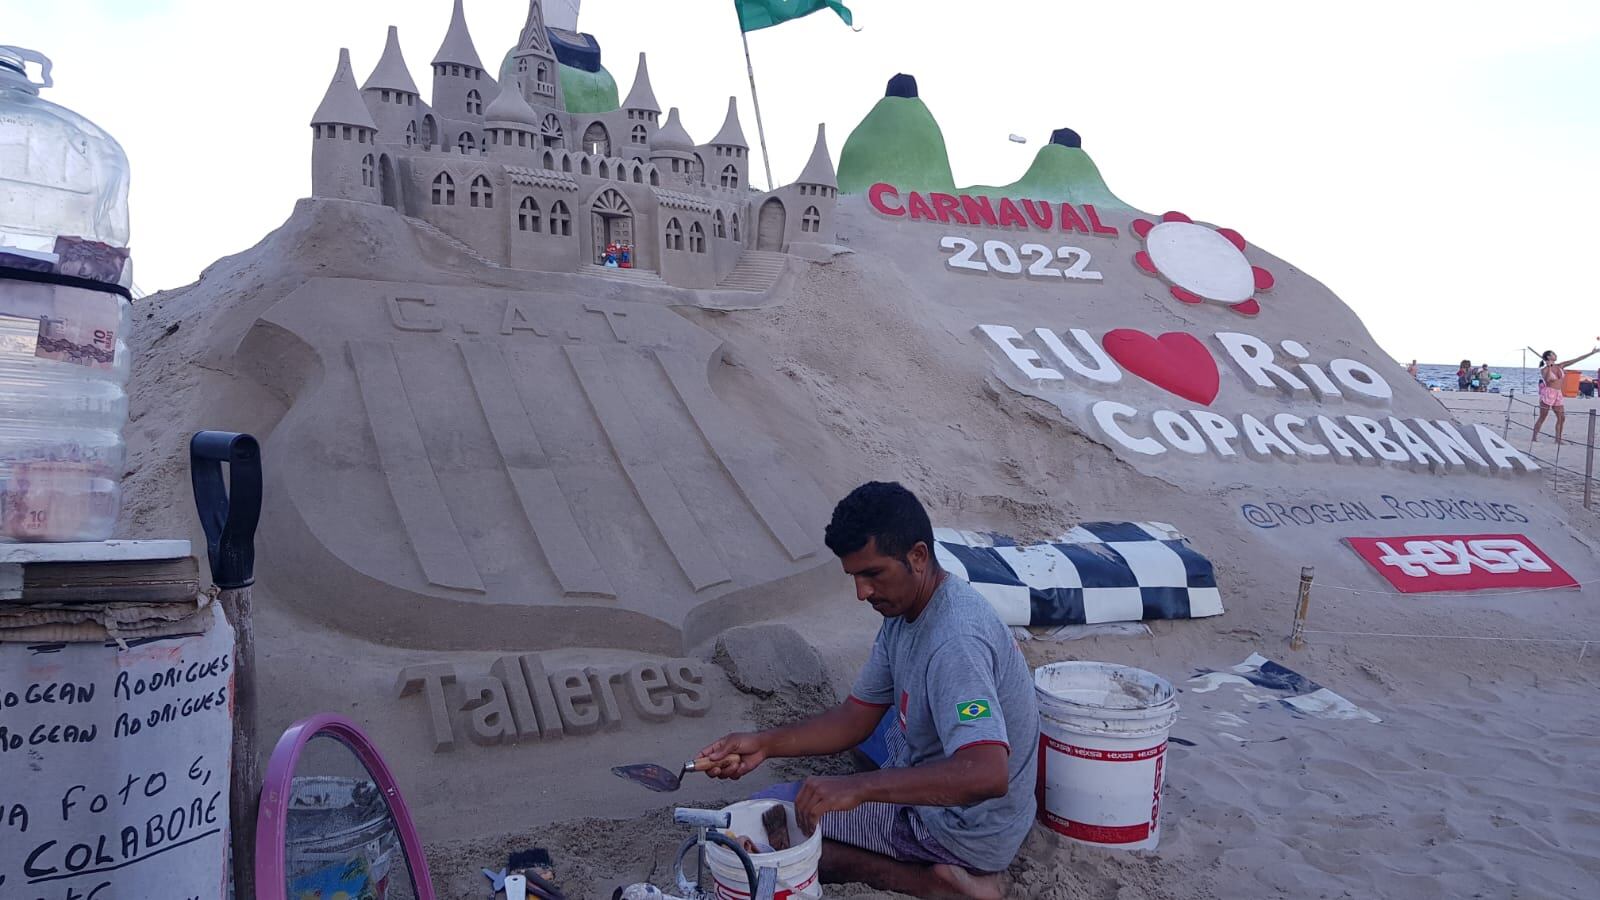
(1552, 375)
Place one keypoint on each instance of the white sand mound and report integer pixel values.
(465, 462)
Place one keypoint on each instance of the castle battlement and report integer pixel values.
(503, 166)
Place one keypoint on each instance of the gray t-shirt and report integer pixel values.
(957, 678)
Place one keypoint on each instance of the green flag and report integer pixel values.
(757, 14)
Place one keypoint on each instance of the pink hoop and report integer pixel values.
(272, 819)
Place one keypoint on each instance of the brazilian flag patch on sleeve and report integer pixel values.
(973, 709)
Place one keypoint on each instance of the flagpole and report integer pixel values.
(761, 130)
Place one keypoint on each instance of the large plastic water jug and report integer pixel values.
(64, 314)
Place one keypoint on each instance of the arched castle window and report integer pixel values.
(543, 73)
(550, 128)
(655, 178)
(638, 175)
(719, 225)
(522, 64)
(368, 171)
(560, 220)
(730, 176)
(466, 143)
(735, 224)
(604, 171)
(597, 140)
(697, 238)
(674, 235)
(584, 167)
(528, 215)
(480, 193)
(430, 132)
(411, 132)
(549, 160)
(811, 221)
(444, 190)
(474, 103)
(640, 135)
(566, 163)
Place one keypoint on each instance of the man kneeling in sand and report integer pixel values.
(951, 808)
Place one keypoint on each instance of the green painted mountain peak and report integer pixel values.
(1061, 173)
(899, 142)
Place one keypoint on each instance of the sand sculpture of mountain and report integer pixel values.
(469, 457)
(900, 142)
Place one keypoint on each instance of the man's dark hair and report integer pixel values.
(883, 511)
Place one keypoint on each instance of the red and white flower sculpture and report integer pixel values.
(1200, 263)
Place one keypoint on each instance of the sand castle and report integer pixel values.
(527, 180)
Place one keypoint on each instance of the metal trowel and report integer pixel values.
(665, 780)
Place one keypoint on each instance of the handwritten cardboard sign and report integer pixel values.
(114, 768)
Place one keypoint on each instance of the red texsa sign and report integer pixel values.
(1421, 563)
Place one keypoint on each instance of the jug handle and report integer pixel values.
(34, 56)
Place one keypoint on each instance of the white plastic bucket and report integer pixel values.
(797, 866)
(1102, 752)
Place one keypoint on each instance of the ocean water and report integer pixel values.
(1525, 381)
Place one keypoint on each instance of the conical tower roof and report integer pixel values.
(819, 169)
(457, 47)
(391, 72)
(342, 104)
(732, 134)
(640, 96)
(533, 35)
(672, 135)
(509, 106)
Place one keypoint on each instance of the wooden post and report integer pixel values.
(1588, 465)
(244, 790)
(1297, 637)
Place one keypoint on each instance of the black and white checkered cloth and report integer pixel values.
(1097, 572)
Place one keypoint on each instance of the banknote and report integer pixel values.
(87, 340)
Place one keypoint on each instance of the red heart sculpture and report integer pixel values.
(1175, 361)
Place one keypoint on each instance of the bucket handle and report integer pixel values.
(690, 889)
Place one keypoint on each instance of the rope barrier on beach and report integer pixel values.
(1352, 590)
(1457, 637)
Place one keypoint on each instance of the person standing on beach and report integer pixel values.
(1412, 370)
(1483, 378)
(1552, 378)
(1464, 375)
(948, 810)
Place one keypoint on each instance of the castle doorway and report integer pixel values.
(386, 183)
(612, 223)
(769, 228)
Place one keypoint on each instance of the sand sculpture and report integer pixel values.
(488, 452)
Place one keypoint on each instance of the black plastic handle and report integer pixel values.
(228, 512)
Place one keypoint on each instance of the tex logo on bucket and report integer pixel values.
(1424, 563)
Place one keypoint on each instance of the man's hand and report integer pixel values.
(752, 752)
(824, 794)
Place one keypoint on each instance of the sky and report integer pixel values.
(1433, 163)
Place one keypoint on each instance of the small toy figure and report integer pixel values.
(627, 256)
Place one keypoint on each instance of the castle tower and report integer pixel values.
(727, 156)
(344, 154)
(511, 128)
(643, 112)
(461, 87)
(816, 192)
(673, 152)
(392, 96)
(536, 63)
